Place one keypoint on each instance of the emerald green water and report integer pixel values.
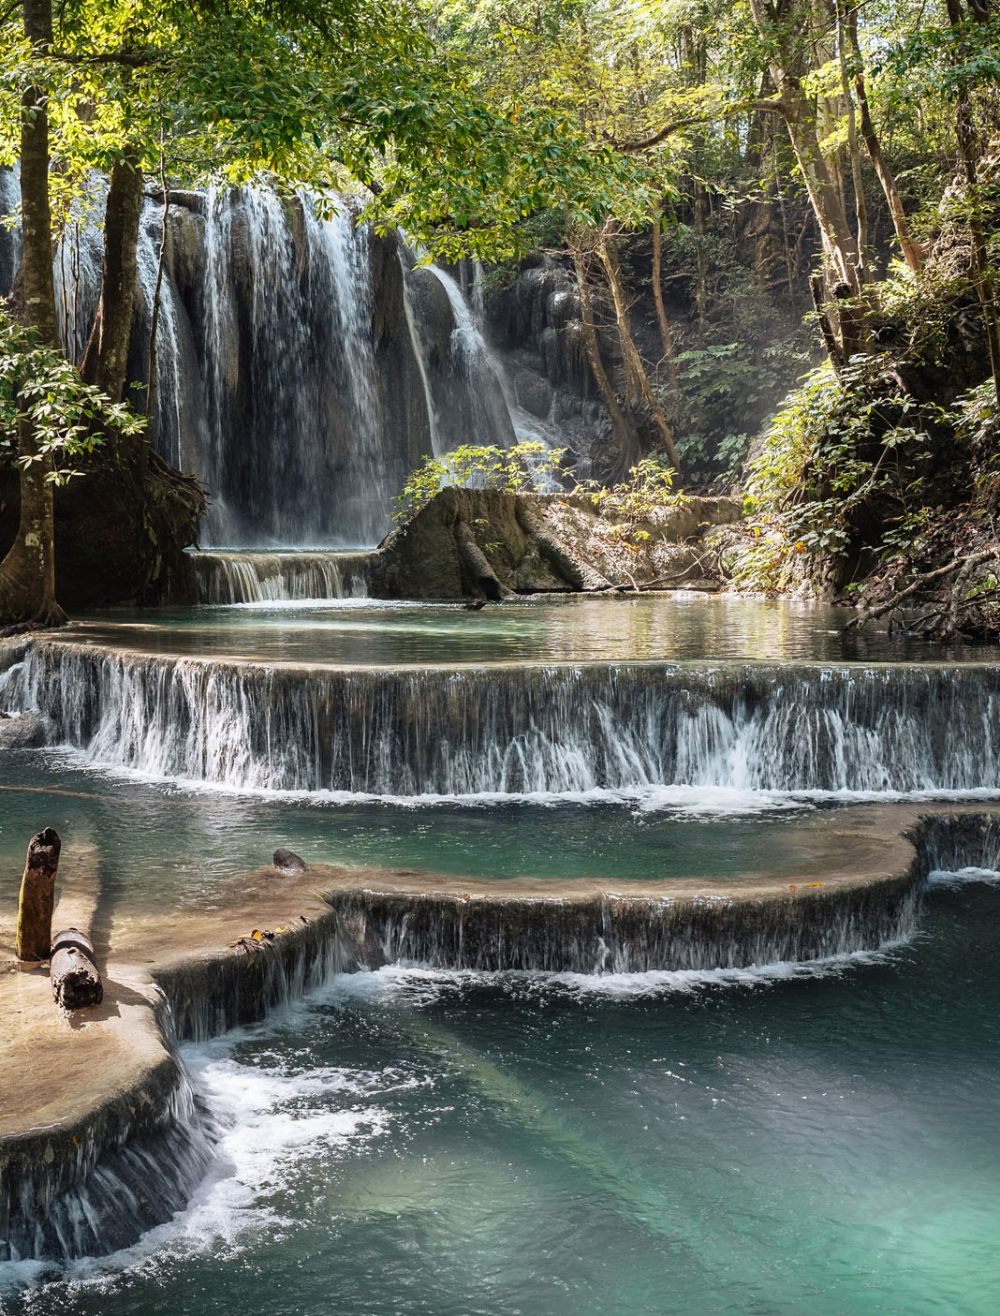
(159, 847)
(820, 1139)
(368, 632)
(823, 1143)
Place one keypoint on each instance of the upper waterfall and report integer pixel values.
(303, 365)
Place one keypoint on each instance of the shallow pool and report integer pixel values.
(367, 632)
(160, 847)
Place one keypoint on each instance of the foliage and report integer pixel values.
(725, 391)
(838, 444)
(629, 506)
(510, 470)
(633, 503)
(40, 388)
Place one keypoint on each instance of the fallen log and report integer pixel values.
(34, 907)
(76, 981)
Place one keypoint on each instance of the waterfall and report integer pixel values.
(10, 233)
(620, 933)
(469, 391)
(289, 357)
(558, 729)
(64, 1190)
(418, 355)
(300, 375)
(226, 578)
(499, 414)
(77, 268)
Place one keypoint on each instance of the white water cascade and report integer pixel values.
(298, 374)
(633, 729)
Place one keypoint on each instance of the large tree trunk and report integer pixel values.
(968, 150)
(666, 337)
(799, 111)
(625, 434)
(635, 369)
(912, 251)
(853, 148)
(28, 573)
(106, 355)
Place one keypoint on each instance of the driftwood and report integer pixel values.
(34, 909)
(76, 982)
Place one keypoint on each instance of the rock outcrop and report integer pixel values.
(481, 543)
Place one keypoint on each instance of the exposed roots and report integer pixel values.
(951, 607)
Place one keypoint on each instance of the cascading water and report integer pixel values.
(297, 374)
(629, 728)
(77, 269)
(63, 1198)
(226, 578)
(10, 233)
(470, 399)
(290, 355)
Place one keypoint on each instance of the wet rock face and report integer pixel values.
(620, 934)
(29, 730)
(433, 310)
(625, 727)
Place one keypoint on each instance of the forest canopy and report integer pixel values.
(740, 192)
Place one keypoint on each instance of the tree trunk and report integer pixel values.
(912, 251)
(968, 149)
(854, 150)
(34, 907)
(28, 572)
(824, 196)
(76, 981)
(800, 114)
(106, 355)
(635, 370)
(666, 337)
(626, 437)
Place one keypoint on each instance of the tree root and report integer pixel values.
(943, 619)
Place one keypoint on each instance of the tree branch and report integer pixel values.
(693, 121)
(126, 58)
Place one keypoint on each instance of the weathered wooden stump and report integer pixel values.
(34, 910)
(76, 982)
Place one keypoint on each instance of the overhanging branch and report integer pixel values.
(695, 120)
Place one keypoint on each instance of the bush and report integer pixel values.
(511, 470)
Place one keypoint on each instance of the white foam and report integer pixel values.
(680, 799)
(417, 985)
(272, 1119)
(962, 876)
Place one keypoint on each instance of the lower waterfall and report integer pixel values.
(516, 730)
(609, 934)
(93, 1194)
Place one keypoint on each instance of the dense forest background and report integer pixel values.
(761, 235)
